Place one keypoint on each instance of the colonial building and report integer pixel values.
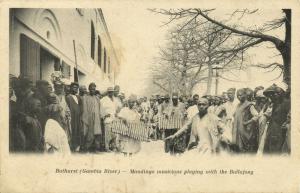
(73, 41)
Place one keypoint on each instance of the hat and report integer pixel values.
(272, 89)
(132, 98)
(110, 89)
(231, 90)
(53, 109)
(40, 83)
(82, 87)
(65, 81)
(24, 82)
(117, 87)
(174, 96)
(121, 94)
(203, 100)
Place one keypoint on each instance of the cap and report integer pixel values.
(110, 89)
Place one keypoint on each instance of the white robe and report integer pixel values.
(192, 111)
(108, 106)
(56, 137)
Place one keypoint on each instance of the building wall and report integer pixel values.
(55, 30)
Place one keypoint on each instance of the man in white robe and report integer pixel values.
(230, 108)
(108, 113)
(116, 98)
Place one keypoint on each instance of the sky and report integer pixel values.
(137, 35)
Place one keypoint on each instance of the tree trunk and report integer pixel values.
(209, 79)
(286, 49)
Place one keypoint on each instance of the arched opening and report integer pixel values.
(47, 25)
(92, 41)
(108, 68)
(99, 51)
(104, 60)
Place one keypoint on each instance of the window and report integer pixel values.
(66, 70)
(48, 35)
(99, 51)
(108, 65)
(75, 75)
(92, 41)
(104, 60)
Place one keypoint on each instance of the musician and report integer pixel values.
(206, 130)
(116, 98)
(159, 104)
(175, 110)
(153, 120)
(108, 111)
(128, 145)
(166, 102)
(122, 98)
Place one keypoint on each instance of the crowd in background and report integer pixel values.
(58, 117)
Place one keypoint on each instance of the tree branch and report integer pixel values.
(261, 36)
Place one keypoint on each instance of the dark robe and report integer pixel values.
(76, 129)
(245, 136)
(91, 122)
(42, 116)
(276, 134)
(33, 133)
(16, 122)
(16, 135)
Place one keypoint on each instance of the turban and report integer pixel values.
(74, 83)
(132, 98)
(260, 94)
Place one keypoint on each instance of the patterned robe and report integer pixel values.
(127, 144)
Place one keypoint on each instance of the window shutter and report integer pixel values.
(66, 70)
(29, 58)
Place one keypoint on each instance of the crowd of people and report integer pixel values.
(68, 118)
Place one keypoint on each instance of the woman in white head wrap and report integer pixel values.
(56, 139)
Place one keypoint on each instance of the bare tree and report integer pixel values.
(191, 54)
(242, 39)
(180, 66)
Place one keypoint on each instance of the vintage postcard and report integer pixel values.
(150, 96)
